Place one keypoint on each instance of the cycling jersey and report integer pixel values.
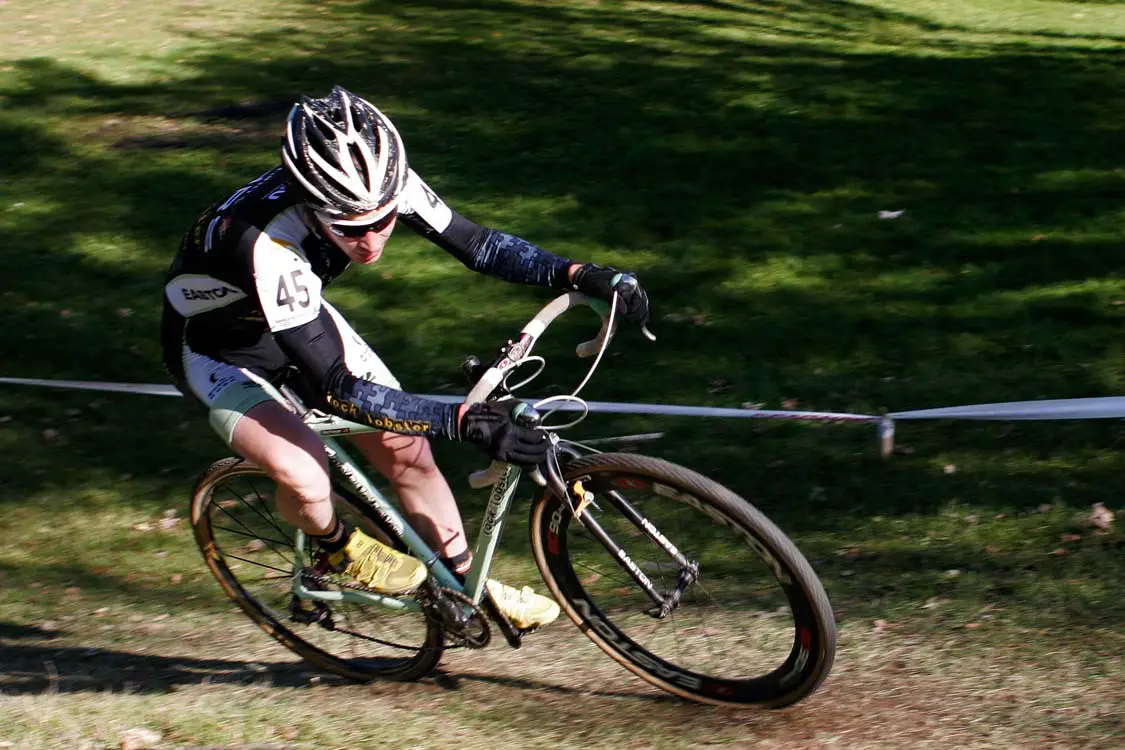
(245, 289)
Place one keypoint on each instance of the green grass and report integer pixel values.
(737, 155)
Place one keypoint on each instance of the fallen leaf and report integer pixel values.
(972, 625)
(1045, 508)
(1058, 552)
(176, 578)
(1100, 516)
(1071, 537)
(51, 435)
(789, 403)
(891, 214)
(949, 469)
(139, 739)
(881, 625)
(1039, 238)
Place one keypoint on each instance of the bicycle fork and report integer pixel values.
(579, 498)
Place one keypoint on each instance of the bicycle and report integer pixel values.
(644, 556)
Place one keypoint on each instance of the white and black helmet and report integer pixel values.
(345, 154)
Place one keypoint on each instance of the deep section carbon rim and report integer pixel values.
(756, 627)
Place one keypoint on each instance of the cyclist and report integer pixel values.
(243, 309)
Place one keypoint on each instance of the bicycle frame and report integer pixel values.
(504, 478)
(487, 540)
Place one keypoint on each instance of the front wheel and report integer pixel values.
(745, 619)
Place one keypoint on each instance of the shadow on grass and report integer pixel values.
(33, 669)
(39, 668)
(736, 155)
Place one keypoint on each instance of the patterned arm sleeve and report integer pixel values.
(289, 294)
(318, 351)
(484, 250)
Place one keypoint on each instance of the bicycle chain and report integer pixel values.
(431, 593)
(428, 595)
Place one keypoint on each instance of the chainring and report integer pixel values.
(446, 606)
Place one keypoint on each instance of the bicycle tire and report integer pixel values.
(565, 552)
(212, 493)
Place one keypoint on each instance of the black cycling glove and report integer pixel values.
(601, 282)
(489, 424)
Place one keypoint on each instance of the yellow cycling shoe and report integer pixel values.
(523, 607)
(377, 566)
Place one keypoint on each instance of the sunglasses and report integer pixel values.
(355, 231)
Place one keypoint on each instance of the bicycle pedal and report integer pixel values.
(318, 614)
(512, 634)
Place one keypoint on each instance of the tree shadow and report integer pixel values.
(33, 669)
(706, 152)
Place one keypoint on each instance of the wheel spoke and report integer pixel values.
(715, 643)
(367, 640)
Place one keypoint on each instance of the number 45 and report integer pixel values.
(287, 299)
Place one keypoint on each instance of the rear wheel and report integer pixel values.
(753, 628)
(250, 550)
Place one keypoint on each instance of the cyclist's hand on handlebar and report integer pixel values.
(492, 426)
(601, 282)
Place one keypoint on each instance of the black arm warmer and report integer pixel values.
(496, 253)
(318, 351)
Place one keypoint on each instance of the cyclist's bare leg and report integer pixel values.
(431, 509)
(276, 440)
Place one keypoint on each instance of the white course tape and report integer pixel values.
(147, 389)
(1109, 407)
(606, 407)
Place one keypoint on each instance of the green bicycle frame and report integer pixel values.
(499, 502)
(503, 478)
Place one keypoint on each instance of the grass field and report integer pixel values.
(737, 155)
